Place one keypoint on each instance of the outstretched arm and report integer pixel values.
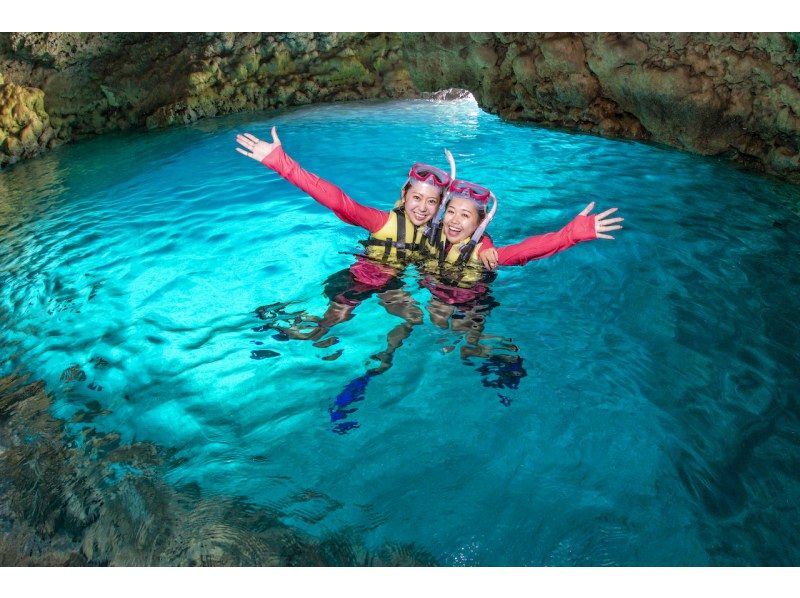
(328, 194)
(584, 227)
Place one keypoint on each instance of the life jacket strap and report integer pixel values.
(383, 242)
(466, 252)
(400, 244)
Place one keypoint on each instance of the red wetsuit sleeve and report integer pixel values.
(486, 243)
(581, 228)
(328, 194)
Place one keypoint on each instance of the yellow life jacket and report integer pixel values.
(397, 242)
(458, 266)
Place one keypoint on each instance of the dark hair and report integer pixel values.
(479, 207)
(407, 186)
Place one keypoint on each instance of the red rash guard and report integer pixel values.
(328, 194)
(581, 228)
(365, 271)
(332, 197)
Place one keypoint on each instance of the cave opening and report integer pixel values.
(453, 93)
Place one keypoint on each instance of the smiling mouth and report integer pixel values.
(454, 231)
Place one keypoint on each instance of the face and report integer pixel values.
(460, 219)
(421, 200)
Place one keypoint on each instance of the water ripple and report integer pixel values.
(627, 403)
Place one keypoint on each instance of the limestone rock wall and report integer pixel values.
(731, 94)
(56, 87)
(736, 95)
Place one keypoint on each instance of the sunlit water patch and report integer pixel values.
(638, 405)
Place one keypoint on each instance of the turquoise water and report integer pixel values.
(644, 409)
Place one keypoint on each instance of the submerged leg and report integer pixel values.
(399, 303)
(500, 365)
(394, 340)
(439, 312)
(335, 314)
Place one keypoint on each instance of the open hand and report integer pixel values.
(601, 223)
(254, 147)
(488, 258)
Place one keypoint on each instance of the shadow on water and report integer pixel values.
(739, 422)
(88, 499)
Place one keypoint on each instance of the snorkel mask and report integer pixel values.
(479, 195)
(425, 173)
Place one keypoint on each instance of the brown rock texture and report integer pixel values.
(56, 87)
(735, 95)
(731, 94)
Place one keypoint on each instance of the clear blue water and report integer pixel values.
(657, 420)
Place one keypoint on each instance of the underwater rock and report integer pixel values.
(73, 373)
(97, 501)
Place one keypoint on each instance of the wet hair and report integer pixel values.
(407, 186)
(479, 207)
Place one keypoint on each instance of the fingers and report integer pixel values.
(244, 142)
(601, 236)
(244, 152)
(609, 221)
(587, 209)
(603, 229)
(489, 258)
(275, 136)
(252, 138)
(606, 213)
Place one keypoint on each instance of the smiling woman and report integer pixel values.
(398, 231)
(396, 237)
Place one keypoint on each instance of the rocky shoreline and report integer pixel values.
(733, 95)
(59, 87)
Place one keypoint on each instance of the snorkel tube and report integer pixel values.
(434, 224)
(452, 161)
(480, 197)
(476, 236)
